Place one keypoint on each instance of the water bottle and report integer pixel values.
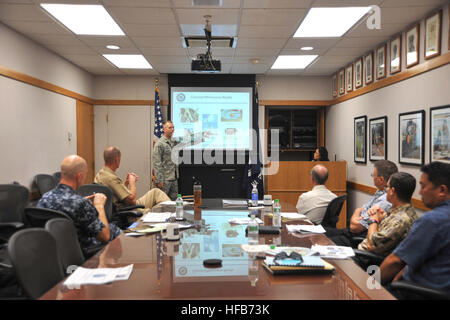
(253, 270)
(254, 196)
(253, 231)
(276, 222)
(179, 207)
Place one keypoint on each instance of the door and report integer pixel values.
(85, 136)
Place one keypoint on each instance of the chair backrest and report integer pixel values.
(57, 177)
(37, 217)
(69, 249)
(331, 216)
(44, 183)
(89, 189)
(13, 199)
(35, 259)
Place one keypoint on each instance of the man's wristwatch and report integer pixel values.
(373, 221)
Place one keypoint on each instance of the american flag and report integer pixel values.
(158, 131)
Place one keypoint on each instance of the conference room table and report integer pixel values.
(167, 270)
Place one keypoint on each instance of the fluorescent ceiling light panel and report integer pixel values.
(294, 62)
(84, 19)
(329, 22)
(128, 61)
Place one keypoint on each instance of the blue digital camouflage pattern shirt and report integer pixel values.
(83, 213)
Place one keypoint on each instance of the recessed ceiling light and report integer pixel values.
(128, 61)
(329, 22)
(294, 62)
(254, 61)
(84, 19)
(113, 47)
(307, 48)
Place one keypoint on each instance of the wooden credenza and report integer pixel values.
(293, 179)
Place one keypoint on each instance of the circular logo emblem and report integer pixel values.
(182, 271)
(181, 97)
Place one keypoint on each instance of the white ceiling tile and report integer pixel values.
(87, 60)
(387, 29)
(266, 31)
(138, 3)
(261, 43)
(278, 4)
(63, 50)
(153, 42)
(140, 72)
(22, 12)
(346, 3)
(173, 68)
(104, 71)
(151, 30)
(155, 60)
(273, 17)
(142, 15)
(262, 60)
(188, 4)
(49, 39)
(359, 42)
(37, 27)
(409, 3)
(121, 41)
(250, 68)
(217, 30)
(163, 51)
(402, 15)
(122, 50)
(218, 16)
(349, 52)
(17, 1)
(224, 52)
(256, 52)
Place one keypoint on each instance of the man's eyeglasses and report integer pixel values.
(293, 255)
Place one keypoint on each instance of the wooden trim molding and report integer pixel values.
(295, 102)
(417, 203)
(111, 102)
(42, 84)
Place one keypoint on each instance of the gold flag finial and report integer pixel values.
(257, 84)
(156, 81)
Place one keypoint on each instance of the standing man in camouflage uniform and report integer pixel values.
(166, 171)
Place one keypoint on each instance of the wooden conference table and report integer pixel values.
(174, 270)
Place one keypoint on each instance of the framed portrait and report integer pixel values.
(381, 62)
(341, 82)
(358, 73)
(334, 87)
(368, 68)
(412, 46)
(359, 131)
(433, 35)
(349, 78)
(378, 139)
(396, 53)
(440, 133)
(411, 138)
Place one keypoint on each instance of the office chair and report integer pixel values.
(57, 177)
(331, 216)
(44, 183)
(69, 249)
(366, 258)
(35, 259)
(36, 217)
(410, 290)
(119, 216)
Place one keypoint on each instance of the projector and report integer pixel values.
(204, 65)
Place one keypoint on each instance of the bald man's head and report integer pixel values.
(110, 155)
(71, 166)
(319, 174)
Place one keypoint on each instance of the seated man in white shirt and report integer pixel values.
(314, 203)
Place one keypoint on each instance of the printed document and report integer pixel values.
(84, 276)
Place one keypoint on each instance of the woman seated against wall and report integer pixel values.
(321, 154)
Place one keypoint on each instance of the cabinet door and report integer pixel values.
(281, 120)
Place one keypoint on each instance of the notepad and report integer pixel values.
(310, 265)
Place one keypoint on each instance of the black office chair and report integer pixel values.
(36, 217)
(44, 183)
(331, 216)
(366, 258)
(57, 177)
(69, 249)
(34, 256)
(119, 216)
(13, 199)
(403, 289)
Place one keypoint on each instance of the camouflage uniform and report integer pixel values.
(166, 171)
(391, 230)
(84, 215)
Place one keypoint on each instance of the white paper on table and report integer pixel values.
(244, 220)
(255, 248)
(242, 203)
(157, 216)
(293, 215)
(172, 203)
(164, 225)
(305, 228)
(333, 252)
(134, 234)
(85, 276)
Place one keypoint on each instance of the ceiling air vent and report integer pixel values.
(206, 3)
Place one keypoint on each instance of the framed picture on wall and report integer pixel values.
(440, 133)
(334, 87)
(358, 73)
(412, 46)
(411, 138)
(381, 62)
(396, 54)
(368, 68)
(433, 35)
(359, 131)
(349, 78)
(378, 138)
(341, 82)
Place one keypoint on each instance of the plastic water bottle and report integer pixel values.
(179, 207)
(276, 214)
(254, 196)
(253, 231)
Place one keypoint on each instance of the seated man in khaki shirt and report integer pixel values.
(124, 193)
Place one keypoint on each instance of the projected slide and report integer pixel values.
(212, 118)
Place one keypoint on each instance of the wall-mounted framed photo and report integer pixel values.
(359, 131)
(381, 62)
(358, 73)
(396, 54)
(433, 35)
(368, 68)
(378, 139)
(341, 82)
(412, 46)
(349, 78)
(411, 137)
(334, 86)
(440, 133)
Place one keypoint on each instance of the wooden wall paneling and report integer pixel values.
(85, 136)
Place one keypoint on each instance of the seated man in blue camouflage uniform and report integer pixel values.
(88, 214)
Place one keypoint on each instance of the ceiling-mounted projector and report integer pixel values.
(205, 62)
